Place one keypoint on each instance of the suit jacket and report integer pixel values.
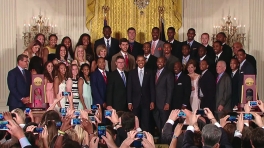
(164, 88)
(98, 87)
(116, 93)
(114, 48)
(210, 52)
(176, 49)
(137, 94)
(170, 62)
(235, 97)
(182, 92)
(207, 86)
(137, 49)
(225, 57)
(194, 48)
(228, 50)
(131, 62)
(151, 63)
(18, 87)
(159, 49)
(251, 60)
(223, 92)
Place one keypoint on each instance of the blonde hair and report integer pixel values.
(20, 113)
(72, 134)
(80, 133)
(29, 51)
(76, 53)
(100, 48)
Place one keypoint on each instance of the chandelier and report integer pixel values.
(234, 32)
(38, 25)
(141, 4)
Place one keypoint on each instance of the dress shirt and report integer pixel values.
(218, 55)
(206, 45)
(171, 41)
(101, 71)
(124, 54)
(147, 57)
(186, 59)
(160, 71)
(139, 71)
(190, 43)
(202, 58)
(242, 63)
(155, 43)
(234, 72)
(119, 71)
(24, 142)
(178, 75)
(109, 41)
(204, 72)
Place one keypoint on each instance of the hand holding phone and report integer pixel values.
(27, 110)
(247, 116)
(181, 114)
(3, 125)
(253, 103)
(38, 130)
(108, 113)
(101, 131)
(140, 135)
(75, 121)
(63, 111)
(200, 112)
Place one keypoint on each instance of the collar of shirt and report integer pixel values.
(234, 72)
(220, 75)
(156, 42)
(242, 63)
(219, 54)
(171, 41)
(147, 57)
(160, 70)
(186, 58)
(120, 71)
(190, 43)
(105, 39)
(204, 71)
(202, 58)
(178, 75)
(101, 70)
(124, 54)
(140, 69)
(206, 45)
(21, 69)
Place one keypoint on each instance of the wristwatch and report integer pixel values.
(174, 137)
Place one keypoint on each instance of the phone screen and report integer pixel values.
(3, 125)
(200, 112)
(101, 131)
(77, 113)
(92, 118)
(94, 107)
(247, 116)
(1, 116)
(64, 93)
(63, 111)
(253, 103)
(38, 129)
(108, 113)
(27, 110)
(181, 114)
(140, 135)
(75, 121)
(58, 124)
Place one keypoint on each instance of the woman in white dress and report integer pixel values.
(194, 100)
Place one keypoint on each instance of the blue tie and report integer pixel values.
(123, 77)
(107, 46)
(24, 74)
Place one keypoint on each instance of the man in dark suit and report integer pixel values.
(156, 44)
(171, 59)
(186, 56)
(234, 64)
(99, 82)
(141, 92)
(176, 45)
(202, 53)
(116, 92)
(182, 88)
(249, 58)
(112, 44)
(206, 87)
(209, 49)
(164, 88)
(151, 60)
(221, 36)
(221, 55)
(245, 68)
(135, 48)
(192, 43)
(19, 81)
(223, 89)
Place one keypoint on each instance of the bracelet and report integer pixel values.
(174, 137)
(61, 132)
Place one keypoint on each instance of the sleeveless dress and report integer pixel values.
(87, 94)
(194, 100)
(49, 93)
(51, 55)
(75, 93)
(62, 88)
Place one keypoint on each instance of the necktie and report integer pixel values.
(217, 79)
(105, 78)
(24, 74)
(153, 46)
(123, 77)
(176, 78)
(157, 75)
(146, 59)
(107, 46)
(141, 77)
(131, 47)
(216, 59)
(232, 75)
(126, 60)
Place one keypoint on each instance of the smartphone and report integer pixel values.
(64, 93)
(108, 113)
(101, 131)
(75, 121)
(1, 116)
(77, 113)
(27, 110)
(63, 111)
(140, 135)
(253, 103)
(200, 112)
(94, 107)
(38, 130)
(58, 124)
(181, 114)
(3, 125)
(247, 116)
(232, 117)
(92, 119)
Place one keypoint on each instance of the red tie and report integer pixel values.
(126, 60)
(131, 48)
(157, 76)
(217, 79)
(105, 78)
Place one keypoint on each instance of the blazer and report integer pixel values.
(251, 60)
(114, 48)
(116, 92)
(170, 62)
(176, 49)
(181, 92)
(225, 57)
(223, 92)
(228, 50)
(159, 49)
(235, 97)
(151, 63)
(137, 49)
(131, 62)
(194, 48)
(18, 87)
(98, 87)
(164, 88)
(137, 94)
(207, 86)
(210, 52)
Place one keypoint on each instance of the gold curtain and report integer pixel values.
(124, 14)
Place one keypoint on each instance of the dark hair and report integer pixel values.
(222, 33)
(100, 58)
(257, 137)
(171, 28)
(70, 50)
(29, 124)
(167, 43)
(163, 57)
(70, 71)
(2, 134)
(140, 56)
(81, 74)
(131, 28)
(155, 28)
(50, 115)
(246, 136)
(122, 40)
(52, 36)
(31, 138)
(21, 57)
(119, 57)
(187, 45)
(204, 61)
(89, 50)
(219, 42)
(128, 121)
(197, 139)
(36, 64)
(242, 50)
(147, 43)
(191, 29)
(37, 35)
(58, 74)
(57, 53)
(70, 144)
(191, 61)
(46, 73)
(235, 60)
(202, 47)
(206, 34)
(230, 130)
(106, 27)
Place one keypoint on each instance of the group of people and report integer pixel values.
(149, 79)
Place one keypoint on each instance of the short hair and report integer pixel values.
(257, 137)
(191, 29)
(191, 61)
(140, 56)
(219, 42)
(222, 62)
(242, 50)
(131, 28)
(21, 57)
(100, 48)
(171, 28)
(230, 130)
(211, 135)
(98, 59)
(202, 47)
(128, 121)
(204, 61)
(155, 28)
(206, 34)
(189, 47)
(106, 27)
(222, 33)
(122, 40)
(163, 57)
(119, 57)
(147, 43)
(52, 36)
(234, 59)
(167, 43)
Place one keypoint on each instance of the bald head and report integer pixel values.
(220, 67)
(236, 47)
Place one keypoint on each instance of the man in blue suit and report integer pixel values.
(19, 81)
(99, 82)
